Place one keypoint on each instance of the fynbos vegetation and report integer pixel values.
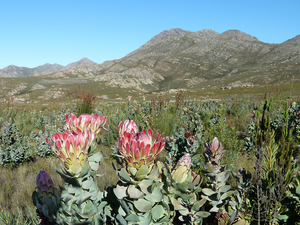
(186, 162)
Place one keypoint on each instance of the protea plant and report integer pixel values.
(214, 152)
(72, 148)
(85, 121)
(46, 197)
(138, 148)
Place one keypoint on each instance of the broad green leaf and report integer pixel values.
(144, 185)
(83, 197)
(208, 191)
(90, 209)
(145, 219)
(143, 205)
(134, 192)
(197, 205)
(203, 214)
(224, 188)
(142, 172)
(298, 190)
(94, 165)
(226, 195)
(132, 170)
(97, 157)
(155, 196)
(157, 212)
(87, 183)
(121, 220)
(182, 186)
(85, 169)
(124, 175)
(120, 191)
(132, 218)
(45, 210)
(176, 204)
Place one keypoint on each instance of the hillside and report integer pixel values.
(173, 59)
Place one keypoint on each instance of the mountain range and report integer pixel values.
(178, 58)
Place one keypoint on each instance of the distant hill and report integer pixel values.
(174, 59)
(15, 71)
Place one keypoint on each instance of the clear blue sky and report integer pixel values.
(33, 33)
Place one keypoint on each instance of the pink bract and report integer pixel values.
(85, 121)
(137, 148)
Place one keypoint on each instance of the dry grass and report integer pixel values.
(17, 184)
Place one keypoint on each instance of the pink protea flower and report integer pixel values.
(72, 148)
(137, 148)
(44, 183)
(84, 122)
(214, 151)
(129, 126)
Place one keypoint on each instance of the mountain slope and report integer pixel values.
(175, 59)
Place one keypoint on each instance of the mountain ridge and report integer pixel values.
(178, 58)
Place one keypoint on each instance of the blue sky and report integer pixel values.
(33, 33)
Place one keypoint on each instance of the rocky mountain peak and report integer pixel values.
(237, 35)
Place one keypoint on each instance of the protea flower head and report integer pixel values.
(129, 126)
(72, 148)
(138, 148)
(84, 122)
(214, 151)
(182, 168)
(44, 183)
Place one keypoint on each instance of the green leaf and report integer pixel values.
(124, 175)
(97, 157)
(90, 209)
(134, 192)
(176, 204)
(203, 214)
(208, 191)
(83, 197)
(157, 212)
(283, 218)
(121, 220)
(85, 169)
(142, 172)
(45, 210)
(143, 205)
(155, 196)
(94, 165)
(132, 218)
(214, 209)
(75, 167)
(226, 195)
(224, 188)
(145, 219)
(87, 183)
(120, 191)
(198, 204)
(298, 190)
(132, 170)
(182, 186)
(144, 185)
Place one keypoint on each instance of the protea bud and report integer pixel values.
(84, 122)
(44, 184)
(214, 151)
(137, 148)
(72, 148)
(181, 170)
(46, 197)
(129, 126)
